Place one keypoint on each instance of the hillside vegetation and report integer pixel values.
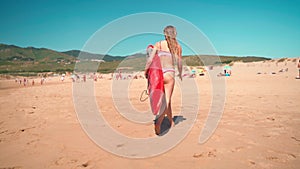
(16, 60)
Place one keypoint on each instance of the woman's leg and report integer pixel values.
(169, 85)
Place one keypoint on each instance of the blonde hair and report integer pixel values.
(170, 36)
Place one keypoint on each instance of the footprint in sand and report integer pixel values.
(198, 155)
(237, 149)
(120, 145)
(33, 142)
(31, 112)
(212, 153)
(272, 158)
(62, 161)
(283, 157)
(27, 128)
(294, 138)
(251, 162)
(3, 132)
(276, 159)
(271, 118)
(206, 154)
(86, 164)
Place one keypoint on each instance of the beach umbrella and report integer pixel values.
(227, 67)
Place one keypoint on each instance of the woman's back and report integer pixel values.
(166, 58)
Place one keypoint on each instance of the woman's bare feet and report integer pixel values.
(157, 124)
(171, 121)
(157, 129)
(169, 116)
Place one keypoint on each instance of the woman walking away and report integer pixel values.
(169, 52)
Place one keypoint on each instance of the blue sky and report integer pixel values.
(268, 28)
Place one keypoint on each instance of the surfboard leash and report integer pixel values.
(144, 92)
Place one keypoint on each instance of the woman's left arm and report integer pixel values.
(179, 63)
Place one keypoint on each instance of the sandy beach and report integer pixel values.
(39, 127)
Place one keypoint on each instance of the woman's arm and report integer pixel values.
(149, 60)
(179, 63)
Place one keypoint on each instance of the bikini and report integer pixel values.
(166, 53)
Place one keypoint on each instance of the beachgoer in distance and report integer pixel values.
(62, 78)
(95, 77)
(24, 81)
(169, 52)
(193, 73)
(84, 78)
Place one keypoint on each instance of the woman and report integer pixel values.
(169, 52)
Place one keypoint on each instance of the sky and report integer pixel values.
(269, 28)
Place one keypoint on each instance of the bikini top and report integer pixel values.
(162, 52)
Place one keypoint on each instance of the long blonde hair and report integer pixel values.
(170, 36)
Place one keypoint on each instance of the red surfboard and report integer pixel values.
(156, 84)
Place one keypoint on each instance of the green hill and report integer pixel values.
(107, 58)
(29, 61)
(201, 60)
(15, 53)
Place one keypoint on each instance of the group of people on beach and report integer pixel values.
(26, 81)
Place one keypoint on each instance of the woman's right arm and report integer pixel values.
(149, 60)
